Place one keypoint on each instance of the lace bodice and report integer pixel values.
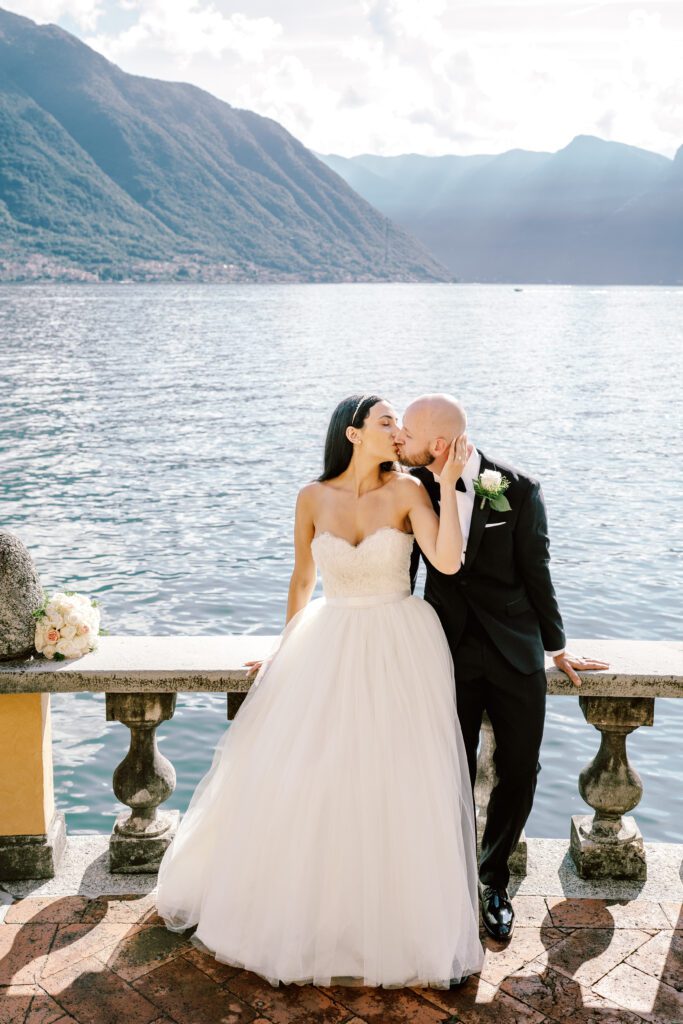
(380, 564)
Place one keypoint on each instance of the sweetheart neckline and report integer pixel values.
(354, 547)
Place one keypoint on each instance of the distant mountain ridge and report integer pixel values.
(110, 175)
(595, 212)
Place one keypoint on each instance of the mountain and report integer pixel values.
(595, 212)
(110, 175)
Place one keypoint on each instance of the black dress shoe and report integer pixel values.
(497, 912)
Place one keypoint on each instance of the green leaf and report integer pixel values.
(60, 657)
(500, 504)
(103, 632)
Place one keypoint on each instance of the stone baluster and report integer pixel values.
(485, 781)
(235, 701)
(143, 780)
(608, 845)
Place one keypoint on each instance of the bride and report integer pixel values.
(332, 841)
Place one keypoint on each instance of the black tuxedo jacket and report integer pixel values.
(505, 581)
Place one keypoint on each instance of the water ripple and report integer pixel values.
(153, 439)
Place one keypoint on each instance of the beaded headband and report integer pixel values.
(363, 398)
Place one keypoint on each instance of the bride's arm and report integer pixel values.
(440, 537)
(302, 583)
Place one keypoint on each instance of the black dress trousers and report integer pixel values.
(515, 703)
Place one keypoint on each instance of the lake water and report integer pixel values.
(153, 438)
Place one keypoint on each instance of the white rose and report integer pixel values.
(490, 479)
(49, 650)
(68, 632)
(63, 647)
(55, 619)
(73, 618)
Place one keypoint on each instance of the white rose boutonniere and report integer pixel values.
(491, 486)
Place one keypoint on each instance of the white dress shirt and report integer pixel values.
(465, 500)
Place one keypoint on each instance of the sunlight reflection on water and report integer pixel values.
(153, 439)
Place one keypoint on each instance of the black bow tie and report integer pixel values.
(460, 486)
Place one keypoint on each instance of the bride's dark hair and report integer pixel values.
(351, 412)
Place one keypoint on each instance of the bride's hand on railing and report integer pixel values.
(253, 668)
(455, 463)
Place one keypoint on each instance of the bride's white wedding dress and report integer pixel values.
(332, 840)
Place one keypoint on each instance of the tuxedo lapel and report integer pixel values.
(431, 486)
(479, 518)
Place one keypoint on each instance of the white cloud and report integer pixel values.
(430, 76)
(186, 29)
(406, 21)
(84, 13)
(444, 83)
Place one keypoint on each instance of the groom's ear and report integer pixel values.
(439, 446)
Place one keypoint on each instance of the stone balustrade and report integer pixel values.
(142, 675)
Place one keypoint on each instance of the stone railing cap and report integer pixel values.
(638, 668)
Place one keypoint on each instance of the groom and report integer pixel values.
(500, 614)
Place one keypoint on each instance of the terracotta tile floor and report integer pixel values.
(110, 960)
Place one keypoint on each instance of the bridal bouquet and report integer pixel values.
(67, 625)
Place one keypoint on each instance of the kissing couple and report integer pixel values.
(333, 839)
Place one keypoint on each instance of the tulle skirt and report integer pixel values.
(332, 840)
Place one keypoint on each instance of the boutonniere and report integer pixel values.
(491, 486)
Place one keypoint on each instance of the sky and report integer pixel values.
(409, 76)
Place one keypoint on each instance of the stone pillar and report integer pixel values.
(143, 780)
(485, 781)
(608, 845)
(32, 833)
(235, 701)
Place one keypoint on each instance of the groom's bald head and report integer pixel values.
(429, 425)
(440, 415)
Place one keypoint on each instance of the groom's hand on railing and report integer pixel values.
(567, 662)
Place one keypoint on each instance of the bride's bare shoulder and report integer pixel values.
(310, 495)
(404, 481)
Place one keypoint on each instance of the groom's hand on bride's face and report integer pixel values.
(568, 662)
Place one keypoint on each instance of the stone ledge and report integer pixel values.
(84, 871)
(638, 668)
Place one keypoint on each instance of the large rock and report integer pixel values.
(20, 593)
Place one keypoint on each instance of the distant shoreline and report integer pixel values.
(285, 282)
